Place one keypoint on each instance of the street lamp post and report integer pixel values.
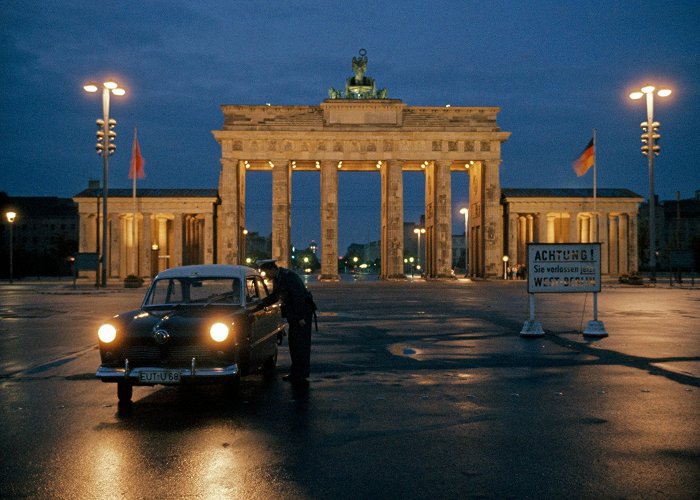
(105, 148)
(651, 148)
(465, 212)
(11, 219)
(419, 231)
(505, 267)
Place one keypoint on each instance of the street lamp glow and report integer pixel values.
(650, 148)
(10, 215)
(105, 147)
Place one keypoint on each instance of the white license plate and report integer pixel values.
(160, 377)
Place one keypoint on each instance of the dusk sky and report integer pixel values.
(557, 70)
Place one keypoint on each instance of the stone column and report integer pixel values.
(329, 221)
(613, 244)
(163, 243)
(113, 253)
(131, 248)
(392, 220)
(541, 228)
(178, 243)
(585, 222)
(438, 220)
(145, 249)
(521, 254)
(622, 232)
(604, 246)
(428, 237)
(493, 220)
(231, 213)
(513, 234)
(208, 238)
(123, 245)
(551, 234)
(281, 211)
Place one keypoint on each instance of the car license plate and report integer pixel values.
(160, 377)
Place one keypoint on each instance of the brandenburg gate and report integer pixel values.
(361, 129)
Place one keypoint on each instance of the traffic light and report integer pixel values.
(111, 136)
(100, 146)
(650, 138)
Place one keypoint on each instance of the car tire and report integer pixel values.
(271, 362)
(124, 392)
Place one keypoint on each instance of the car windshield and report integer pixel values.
(193, 291)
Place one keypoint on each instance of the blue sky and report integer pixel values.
(557, 69)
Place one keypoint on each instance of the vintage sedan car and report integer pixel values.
(197, 324)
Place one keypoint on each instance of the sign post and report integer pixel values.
(563, 268)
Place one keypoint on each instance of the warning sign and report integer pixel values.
(563, 268)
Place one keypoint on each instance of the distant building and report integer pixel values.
(677, 228)
(569, 216)
(171, 227)
(45, 235)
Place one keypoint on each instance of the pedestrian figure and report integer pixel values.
(299, 309)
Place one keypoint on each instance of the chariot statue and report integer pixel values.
(359, 86)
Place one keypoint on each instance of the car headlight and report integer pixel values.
(218, 332)
(107, 333)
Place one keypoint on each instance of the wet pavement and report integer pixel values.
(419, 390)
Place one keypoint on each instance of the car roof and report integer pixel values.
(208, 271)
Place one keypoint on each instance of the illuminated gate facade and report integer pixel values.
(366, 134)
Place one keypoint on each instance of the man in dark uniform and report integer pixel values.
(298, 307)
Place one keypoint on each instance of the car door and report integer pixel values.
(256, 318)
(272, 321)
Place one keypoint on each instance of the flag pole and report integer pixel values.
(133, 222)
(595, 328)
(595, 187)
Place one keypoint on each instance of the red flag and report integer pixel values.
(137, 161)
(586, 160)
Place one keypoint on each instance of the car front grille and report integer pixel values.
(174, 356)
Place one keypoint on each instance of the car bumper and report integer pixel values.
(150, 376)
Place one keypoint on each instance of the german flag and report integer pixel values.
(586, 160)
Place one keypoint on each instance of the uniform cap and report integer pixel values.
(266, 263)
